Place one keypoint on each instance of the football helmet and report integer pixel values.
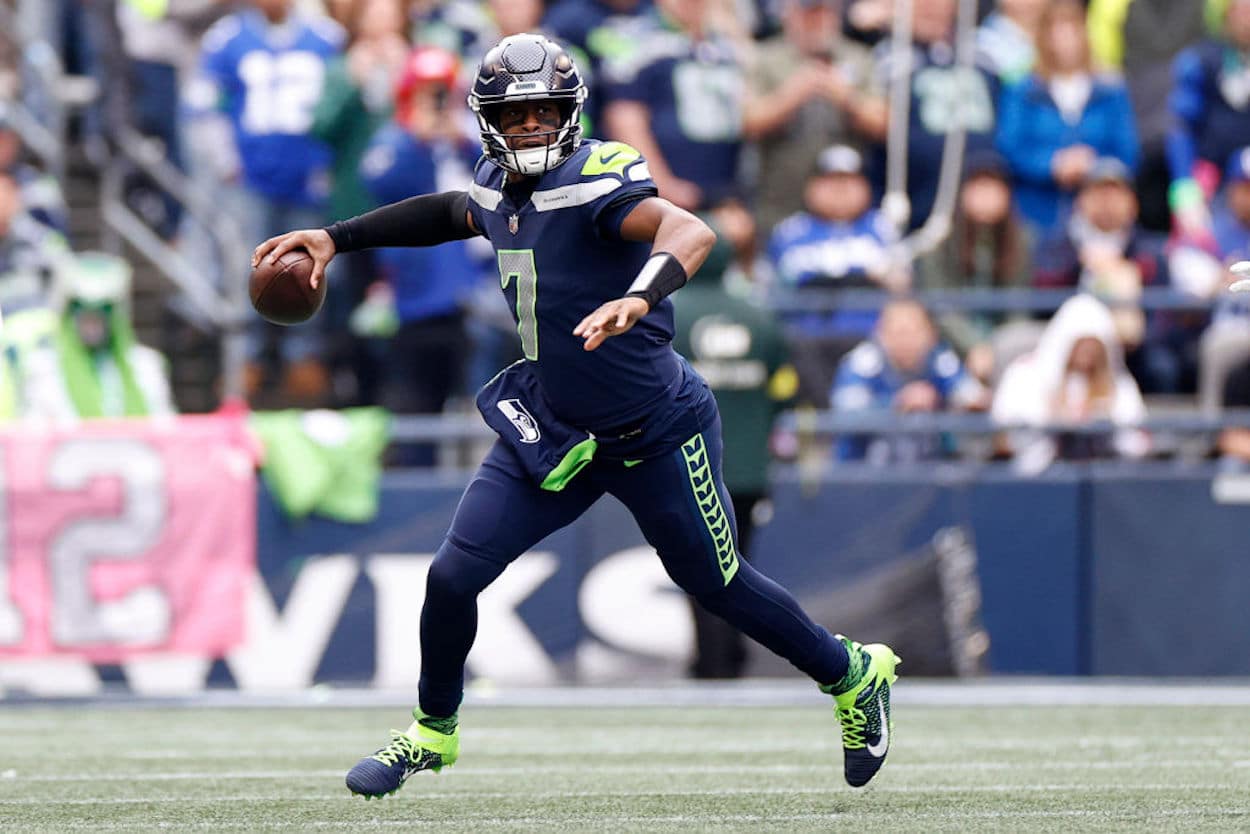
(528, 68)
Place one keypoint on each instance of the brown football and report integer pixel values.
(282, 291)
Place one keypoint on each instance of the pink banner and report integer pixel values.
(125, 537)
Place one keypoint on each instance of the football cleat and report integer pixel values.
(864, 713)
(418, 748)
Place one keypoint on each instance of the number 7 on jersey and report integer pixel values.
(519, 264)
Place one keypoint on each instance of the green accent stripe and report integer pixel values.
(705, 495)
(574, 461)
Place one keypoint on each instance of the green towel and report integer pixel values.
(324, 462)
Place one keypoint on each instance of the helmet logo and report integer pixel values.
(522, 87)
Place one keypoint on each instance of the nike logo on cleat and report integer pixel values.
(878, 750)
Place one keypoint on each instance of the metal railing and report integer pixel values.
(424, 428)
(997, 300)
(206, 306)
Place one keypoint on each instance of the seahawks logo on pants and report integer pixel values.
(521, 420)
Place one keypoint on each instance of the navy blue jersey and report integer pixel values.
(560, 254)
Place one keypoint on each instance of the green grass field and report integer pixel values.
(715, 769)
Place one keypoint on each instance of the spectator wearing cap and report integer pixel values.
(988, 248)
(1055, 123)
(1140, 39)
(838, 241)
(1210, 109)
(804, 94)
(422, 150)
(1103, 251)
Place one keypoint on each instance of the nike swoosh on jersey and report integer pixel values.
(878, 750)
(604, 160)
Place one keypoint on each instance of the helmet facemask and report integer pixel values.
(561, 141)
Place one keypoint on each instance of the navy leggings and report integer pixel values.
(683, 510)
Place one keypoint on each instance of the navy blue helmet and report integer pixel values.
(528, 68)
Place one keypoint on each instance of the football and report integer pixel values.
(282, 291)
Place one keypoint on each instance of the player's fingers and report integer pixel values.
(622, 318)
(595, 339)
(262, 250)
(285, 244)
(319, 271)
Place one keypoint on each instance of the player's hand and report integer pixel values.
(611, 319)
(317, 242)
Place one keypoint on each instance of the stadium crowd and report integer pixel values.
(1101, 148)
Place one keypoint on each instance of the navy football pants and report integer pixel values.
(683, 510)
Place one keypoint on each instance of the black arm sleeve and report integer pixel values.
(427, 220)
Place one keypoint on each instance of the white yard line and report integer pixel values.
(604, 821)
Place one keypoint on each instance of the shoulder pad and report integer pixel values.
(609, 158)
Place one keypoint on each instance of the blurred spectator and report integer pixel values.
(1055, 123)
(738, 348)
(1102, 250)
(359, 96)
(1210, 108)
(988, 248)
(905, 369)
(676, 96)
(1076, 376)
(95, 368)
(1225, 344)
(1231, 220)
(40, 193)
(29, 251)
(421, 151)
(29, 255)
(594, 31)
(1234, 443)
(840, 241)
(160, 42)
(264, 68)
(944, 97)
(577, 22)
(802, 98)
(1139, 39)
(1008, 36)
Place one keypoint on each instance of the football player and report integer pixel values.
(588, 255)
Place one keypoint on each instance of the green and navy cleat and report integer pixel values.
(864, 712)
(416, 749)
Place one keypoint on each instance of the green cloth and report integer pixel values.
(78, 364)
(739, 349)
(343, 122)
(324, 462)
